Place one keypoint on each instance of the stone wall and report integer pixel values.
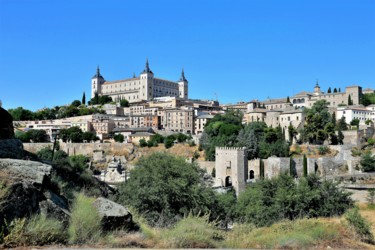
(88, 149)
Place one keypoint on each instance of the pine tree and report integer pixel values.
(304, 166)
(84, 99)
(329, 90)
(334, 90)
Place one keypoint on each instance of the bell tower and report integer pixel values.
(183, 86)
(146, 79)
(96, 83)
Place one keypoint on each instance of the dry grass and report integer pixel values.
(180, 149)
(311, 151)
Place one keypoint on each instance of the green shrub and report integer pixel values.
(323, 150)
(368, 162)
(38, 230)
(298, 234)
(192, 232)
(84, 225)
(142, 143)
(78, 162)
(360, 225)
(119, 138)
(45, 154)
(356, 152)
(371, 141)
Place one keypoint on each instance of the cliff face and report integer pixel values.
(6, 125)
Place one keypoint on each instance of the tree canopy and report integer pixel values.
(319, 126)
(164, 188)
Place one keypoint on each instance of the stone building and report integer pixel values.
(231, 167)
(136, 89)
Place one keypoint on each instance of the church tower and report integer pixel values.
(146, 79)
(317, 90)
(96, 83)
(183, 86)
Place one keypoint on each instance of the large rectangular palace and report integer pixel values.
(142, 88)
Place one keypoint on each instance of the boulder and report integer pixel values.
(6, 125)
(11, 148)
(31, 172)
(25, 191)
(113, 215)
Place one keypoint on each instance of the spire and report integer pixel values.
(182, 78)
(134, 75)
(97, 75)
(147, 68)
(317, 83)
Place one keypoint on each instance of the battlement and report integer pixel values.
(231, 148)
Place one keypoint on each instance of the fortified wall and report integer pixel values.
(233, 168)
(95, 150)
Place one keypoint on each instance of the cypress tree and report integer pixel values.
(350, 102)
(287, 99)
(304, 165)
(334, 90)
(339, 90)
(84, 99)
(291, 169)
(261, 169)
(329, 90)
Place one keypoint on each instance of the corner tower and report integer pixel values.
(96, 83)
(146, 79)
(183, 86)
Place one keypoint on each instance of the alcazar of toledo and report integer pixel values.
(143, 88)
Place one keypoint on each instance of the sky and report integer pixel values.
(231, 50)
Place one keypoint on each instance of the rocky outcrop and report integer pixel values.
(6, 125)
(113, 215)
(11, 148)
(26, 191)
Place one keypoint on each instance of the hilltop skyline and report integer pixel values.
(229, 51)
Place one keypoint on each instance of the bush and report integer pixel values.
(84, 225)
(368, 162)
(118, 138)
(45, 154)
(142, 143)
(164, 188)
(323, 150)
(78, 162)
(371, 141)
(192, 232)
(360, 225)
(169, 141)
(268, 201)
(39, 230)
(298, 234)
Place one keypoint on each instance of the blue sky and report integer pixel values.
(235, 50)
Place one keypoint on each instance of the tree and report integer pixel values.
(342, 125)
(76, 103)
(368, 162)
(124, 103)
(304, 165)
(339, 90)
(222, 130)
(89, 136)
(21, 114)
(287, 99)
(292, 132)
(355, 122)
(280, 198)
(340, 137)
(350, 102)
(261, 169)
(250, 136)
(368, 99)
(329, 90)
(118, 138)
(37, 135)
(164, 188)
(168, 141)
(84, 98)
(334, 90)
(142, 143)
(317, 117)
